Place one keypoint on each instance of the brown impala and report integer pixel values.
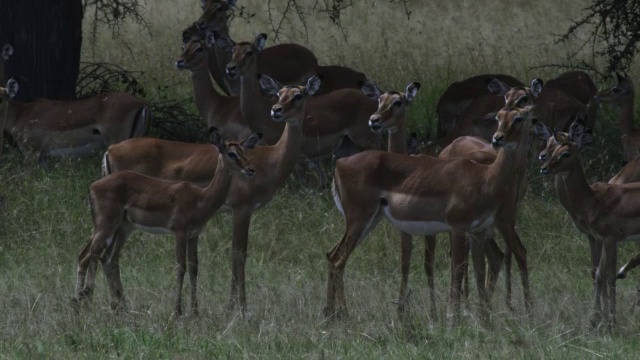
(610, 213)
(423, 195)
(124, 201)
(189, 162)
(51, 128)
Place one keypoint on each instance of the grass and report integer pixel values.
(46, 221)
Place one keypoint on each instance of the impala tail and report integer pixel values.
(336, 193)
(141, 123)
(106, 167)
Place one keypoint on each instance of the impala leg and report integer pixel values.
(595, 249)
(181, 265)
(429, 257)
(241, 223)
(192, 264)
(459, 256)
(111, 267)
(407, 246)
(338, 255)
(479, 268)
(610, 256)
(507, 229)
(495, 257)
(87, 264)
(597, 291)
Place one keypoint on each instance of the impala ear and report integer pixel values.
(269, 85)
(580, 134)
(542, 131)
(370, 89)
(12, 88)
(224, 42)
(313, 84)
(230, 3)
(411, 91)
(261, 40)
(203, 3)
(251, 141)
(216, 138)
(7, 51)
(497, 87)
(536, 87)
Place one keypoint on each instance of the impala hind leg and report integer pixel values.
(338, 255)
(111, 268)
(88, 262)
(495, 258)
(610, 257)
(181, 266)
(478, 251)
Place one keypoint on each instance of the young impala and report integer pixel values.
(125, 200)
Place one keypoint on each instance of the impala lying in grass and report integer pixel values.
(125, 200)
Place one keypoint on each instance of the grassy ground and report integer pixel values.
(46, 221)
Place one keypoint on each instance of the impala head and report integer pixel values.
(234, 152)
(563, 149)
(554, 138)
(392, 107)
(194, 56)
(193, 32)
(7, 51)
(214, 14)
(619, 94)
(291, 99)
(515, 97)
(10, 91)
(243, 60)
(512, 123)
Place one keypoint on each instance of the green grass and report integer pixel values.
(47, 221)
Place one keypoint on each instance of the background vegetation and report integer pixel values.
(46, 217)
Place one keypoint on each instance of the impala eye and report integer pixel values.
(517, 118)
(397, 103)
(565, 154)
(232, 155)
(199, 50)
(249, 53)
(297, 96)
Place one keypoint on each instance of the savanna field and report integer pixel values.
(45, 217)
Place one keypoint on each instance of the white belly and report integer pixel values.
(152, 229)
(633, 238)
(416, 227)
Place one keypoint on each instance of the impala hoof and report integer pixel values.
(339, 314)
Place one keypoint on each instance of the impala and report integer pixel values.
(454, 101)
(219, 111)
(611, 214)
(124, 201)
(329, 118)
(622, 95)
(273, 165)
(46, 128)
(424, 195)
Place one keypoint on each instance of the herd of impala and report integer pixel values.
(487, 127)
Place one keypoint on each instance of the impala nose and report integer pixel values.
(497, 140)
(545, 170)
(250, 171)
(180, 64)
(374, 123)
(276, 113)
(232, 70)
(542, 157)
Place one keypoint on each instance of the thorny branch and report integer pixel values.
(613, 33)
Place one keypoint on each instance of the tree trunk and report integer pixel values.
(46, 36)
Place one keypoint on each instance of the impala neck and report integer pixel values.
(253, 106)
(217, 71)
(287, 150)
(215, 193)
(501, 175)
(625, 116)
(578, 193)
(398, 141)
(208, 100)
(222, 58)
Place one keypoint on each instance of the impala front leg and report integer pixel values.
(241, 223)
(192, 264)
(478, 252)
(429, 256)
(459, 256)
(407, 246)
(111, 268)
(610, 255)
(181, 265)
